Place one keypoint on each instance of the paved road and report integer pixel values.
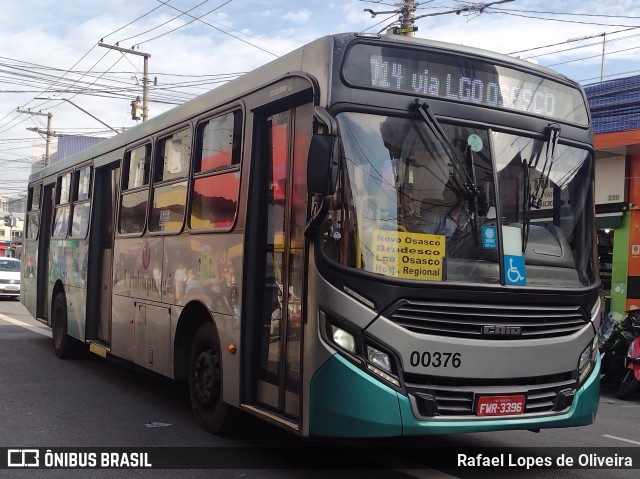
(46, 402)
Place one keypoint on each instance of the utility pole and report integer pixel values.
(407, 9)
(604, 41)
(407, 18)
(48, 133)
(145, 77)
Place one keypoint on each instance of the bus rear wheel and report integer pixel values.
(62, 343)
(205, 380)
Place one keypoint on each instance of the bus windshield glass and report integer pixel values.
(401, 209)
(463, 79)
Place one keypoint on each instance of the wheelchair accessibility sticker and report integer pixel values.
(514, 270)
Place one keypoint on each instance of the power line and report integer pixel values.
(220, 30)
(188, 23)
(579, 47)
(565, 42)
(561, 19)
(134, 21)
(163, 24)
(592, 56)
(566, 13)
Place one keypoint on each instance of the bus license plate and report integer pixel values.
(500, 405)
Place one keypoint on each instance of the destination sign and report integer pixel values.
(463, 79)
(408, 255)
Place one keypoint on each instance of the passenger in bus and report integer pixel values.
(442, 217)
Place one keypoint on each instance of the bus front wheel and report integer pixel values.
(205, 380)
(62, 343)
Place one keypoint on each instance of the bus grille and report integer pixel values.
(488, 321)
(457, 397)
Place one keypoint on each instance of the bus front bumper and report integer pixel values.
(347, 402)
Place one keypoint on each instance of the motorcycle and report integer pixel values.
(614, 337)
(630, 382)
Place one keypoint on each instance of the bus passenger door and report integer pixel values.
(280, 211)
(105, 194)
(44, 238)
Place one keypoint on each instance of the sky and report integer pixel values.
(49, 51)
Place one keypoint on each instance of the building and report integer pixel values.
(615, 108)
(14, 203)
(11, 228)
(70, 144)
(66, 145)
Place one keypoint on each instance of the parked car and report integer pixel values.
(9, 278)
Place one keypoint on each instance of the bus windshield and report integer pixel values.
(401, 209)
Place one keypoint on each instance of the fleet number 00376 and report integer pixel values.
(435, 359)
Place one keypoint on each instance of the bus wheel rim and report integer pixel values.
(205, 377)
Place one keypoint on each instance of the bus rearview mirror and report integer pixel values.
(322, 165)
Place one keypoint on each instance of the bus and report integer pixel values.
(370, 236)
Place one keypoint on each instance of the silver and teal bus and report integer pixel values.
(370, 236)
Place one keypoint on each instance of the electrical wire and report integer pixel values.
(222, 31)
(164, 23)
(560, 20)
(188, 23)
(565, 42)
(566, 13)
(134, 21)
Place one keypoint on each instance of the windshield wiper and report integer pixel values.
(554, 135)
(526, 200)
(534, 199)
(431, 121)
(473, 200)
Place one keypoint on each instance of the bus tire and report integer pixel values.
(205, 380)
(628, 386)
(62, 342)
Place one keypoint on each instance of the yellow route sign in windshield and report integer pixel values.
(408, 255)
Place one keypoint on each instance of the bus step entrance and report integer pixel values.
(99, 348)
(271, 416)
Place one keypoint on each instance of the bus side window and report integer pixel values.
(216, 183)
(135, 189)
(169, 193)
(62, 209)
(81, 202)
(33, 212)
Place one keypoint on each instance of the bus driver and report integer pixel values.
(442, 217)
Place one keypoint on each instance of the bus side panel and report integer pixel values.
(138, 268)
(68, 265)
(208, 269)
(122, 325)
(29, 281)
(137, 276)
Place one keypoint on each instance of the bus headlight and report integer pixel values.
(379, 363)
(587, 359)
(343, 339)
(362, 351)
(379, 359)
